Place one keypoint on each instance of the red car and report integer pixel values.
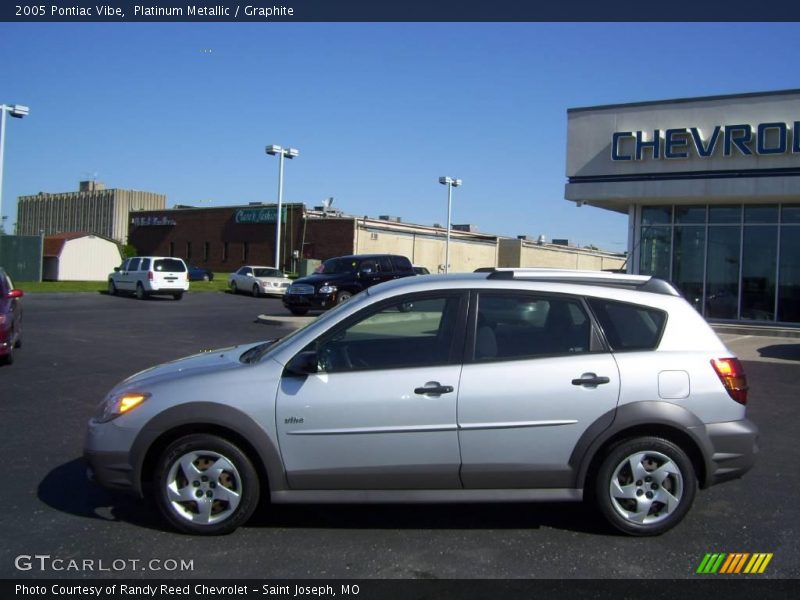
(10, 318)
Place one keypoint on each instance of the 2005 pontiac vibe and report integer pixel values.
(508, 385)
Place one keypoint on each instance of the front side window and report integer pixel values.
(514, 326)
(413, 331)
(133, 265)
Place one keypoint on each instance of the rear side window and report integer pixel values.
(401, 263)
(513, 326)
(629, 326)
(169, 265)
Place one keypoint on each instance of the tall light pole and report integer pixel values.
(282, 153)
(450, 182)
(18, 111)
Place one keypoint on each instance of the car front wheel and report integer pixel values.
(645, 486)
(256, 291)
(343, 297)
(206, 485)
(112, 289)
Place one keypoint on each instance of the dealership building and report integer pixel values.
(711, 187)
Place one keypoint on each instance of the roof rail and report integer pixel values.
(642, 283)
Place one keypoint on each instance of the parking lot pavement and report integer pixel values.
(78, 345)
(764, 349)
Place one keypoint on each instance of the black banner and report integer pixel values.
(369, 589)
(400, 10)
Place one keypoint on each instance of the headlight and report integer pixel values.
(327, 289)
(119, 404)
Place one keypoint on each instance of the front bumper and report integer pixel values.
(107, 463)
(735, 446)
(310, 301)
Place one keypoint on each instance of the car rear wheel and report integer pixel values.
(177, 295)
(140, 293)
(206, 485)
(206, 277)
(8, 359)
(112, 289)
(645, 486)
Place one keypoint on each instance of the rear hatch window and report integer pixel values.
(169, 265)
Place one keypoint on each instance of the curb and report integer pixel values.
(285, 321)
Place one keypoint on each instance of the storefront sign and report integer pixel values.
(765, 139)
(152, 221)
(258, 215)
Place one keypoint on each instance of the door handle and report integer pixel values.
(434, 389)
(591, 379)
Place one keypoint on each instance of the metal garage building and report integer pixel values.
(79, 257)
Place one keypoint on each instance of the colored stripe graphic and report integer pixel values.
(734, 563)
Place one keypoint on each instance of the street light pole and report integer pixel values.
(282, 153)
(18, 111)
(450, 182)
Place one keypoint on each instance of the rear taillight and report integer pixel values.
(150, 276)
(731, 374)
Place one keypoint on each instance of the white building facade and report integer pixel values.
(712, 190)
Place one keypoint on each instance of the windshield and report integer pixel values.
(334, 266)
(267, 273)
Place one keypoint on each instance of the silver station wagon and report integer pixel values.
(508, 385)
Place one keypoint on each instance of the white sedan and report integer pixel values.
(266, 281)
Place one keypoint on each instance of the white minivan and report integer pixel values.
(150, 275)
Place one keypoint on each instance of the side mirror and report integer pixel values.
(303, 364)
(15, 294)
(116, 269)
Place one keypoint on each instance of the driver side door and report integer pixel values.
(380, 412)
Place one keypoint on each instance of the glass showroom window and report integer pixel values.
(730, 261)
(789, 265)
(656, 241)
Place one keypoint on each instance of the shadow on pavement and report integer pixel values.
(66, 489)
(783, 351)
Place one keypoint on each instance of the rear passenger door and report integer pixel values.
(536, 378)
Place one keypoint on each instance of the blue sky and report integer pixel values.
(378, 110)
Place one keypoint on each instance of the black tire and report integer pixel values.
(206, 277)
(140, 293)
(256, 291)
(177, 295)
(239, 477)
(343, 297)
(234, 289)
(655, 486)
(112, 288)
(298, 312)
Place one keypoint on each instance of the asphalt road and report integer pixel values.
(77, 346)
